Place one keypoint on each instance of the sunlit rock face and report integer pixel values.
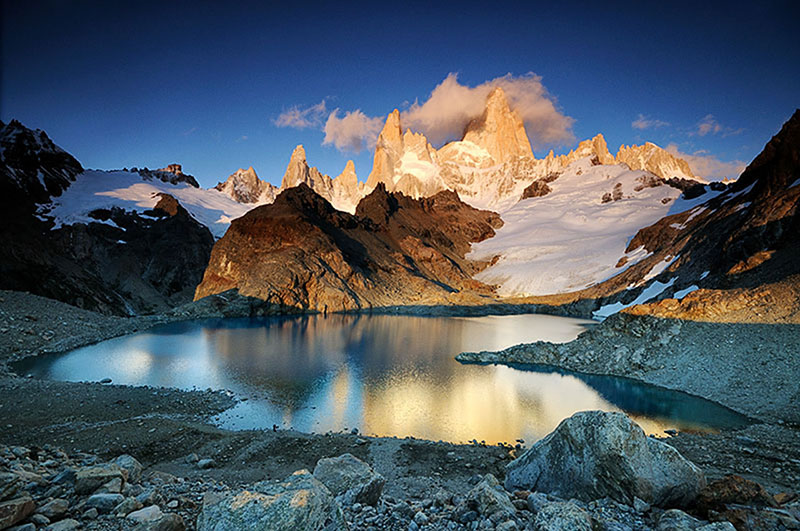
(656, 160)
(499, 130)
(244, 186)
(302, 253)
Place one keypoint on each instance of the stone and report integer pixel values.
(535, 501)
(88, 480)
(90, 514)
(150, 497)
(594, 454)
(350, 479)
(676, 520)
(508, 525)
(23, 527)
(67, 524)
(299, 502)
(150, 513)
(442, 498)
(65, 477)
(488, 497)
(717, 526)
(733, 489)
(167, 522)
(54, 509)
(127, 506)
(133, 467)
(562, 515)
(16, 510)
(10, 484)
(40, 520)
(205, 464)
(104, 502)
(420, 518)
(114, 486)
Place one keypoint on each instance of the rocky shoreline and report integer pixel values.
(166, 429)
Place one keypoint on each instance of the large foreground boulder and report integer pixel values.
(299, 502)
(350, 479)
(594, 454)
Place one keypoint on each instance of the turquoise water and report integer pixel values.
(385, 375)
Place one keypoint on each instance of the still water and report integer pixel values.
(385, 375)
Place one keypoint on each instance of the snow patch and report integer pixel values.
(653, 290)
(680, 294)
(95, 189)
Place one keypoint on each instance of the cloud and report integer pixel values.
(709, 125)
(643, 122)
(708, 166)
(300, 118)
(352, 132)
(451, 106)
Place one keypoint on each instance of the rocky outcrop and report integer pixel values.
(244, 186)
(120, 262)
(656, 160)
(299, 502)
(594, 454)
(302, 253)
(499, 130)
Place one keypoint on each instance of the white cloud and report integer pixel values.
(352, 132)
(708, 166)
(643, 122)
(300, 118)
(709, 125)
(451, 106)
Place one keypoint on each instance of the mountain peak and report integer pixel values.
(299, 154)
(392, 132)
(499, 130)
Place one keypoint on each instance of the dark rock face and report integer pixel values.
(123, 263)
(537, 188)
(300, 252)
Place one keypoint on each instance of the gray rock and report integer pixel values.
(90, 514)
(676, 520)
(442, 498)
(54, 509)
(23, 527)
(167, 522)
(64, 477)
(16, 510)
(10, 484)
(205, 464)
(88, 480)
(535, 501)
(63, 525)
(350, 479)
(420, 519)
(299, 502)
(594, 454)
(105, 502)
(488, 497)
(127, 506)
(150, 513)
(150, 497)
(562, 515)
(129, 463)
(40, 520)
(717, 526)
(508, 525)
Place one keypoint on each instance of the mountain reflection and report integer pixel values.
(383, 374)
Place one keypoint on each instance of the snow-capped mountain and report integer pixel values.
(244, 186)
(573, 233)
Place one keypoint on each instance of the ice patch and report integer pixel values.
(704, 275)
(653, 290)
(680, 294)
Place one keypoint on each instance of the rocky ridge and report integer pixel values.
(300, 252)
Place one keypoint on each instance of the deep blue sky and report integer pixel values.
(145, 84)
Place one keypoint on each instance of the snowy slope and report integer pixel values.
(570, 239)
(95, 189)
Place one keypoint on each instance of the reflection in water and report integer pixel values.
(382, 374)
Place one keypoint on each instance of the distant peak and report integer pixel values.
(392, 129)
(299, 153)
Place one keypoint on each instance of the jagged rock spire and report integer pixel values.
(499, 130)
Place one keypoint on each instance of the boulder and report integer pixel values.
(105, 502)
(677, 520)
(54, 509)
(67, 524)
(150, 513)
(487, 498)
(16, 510)
(562, 515)
(733, 489)
(594, 454)
(9, 485)
(350, 479)
(299, 502)
(129, 463)
(89, 479)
